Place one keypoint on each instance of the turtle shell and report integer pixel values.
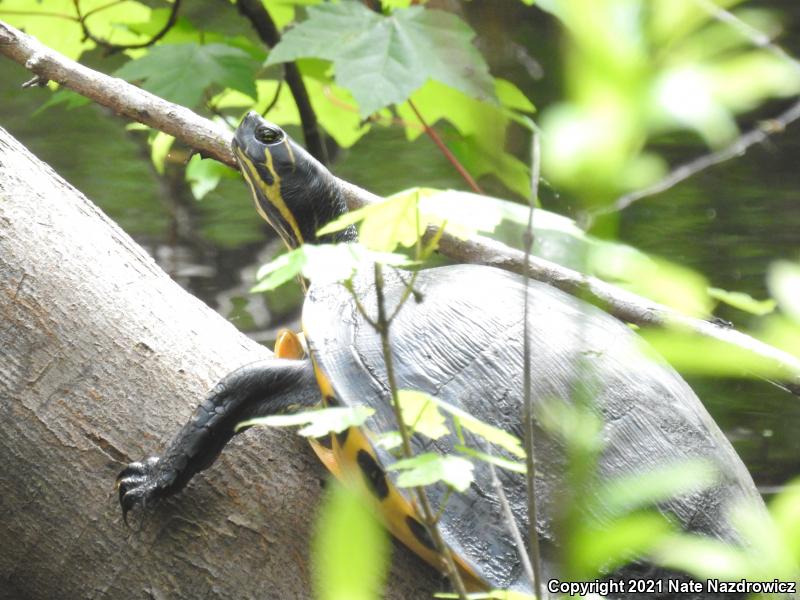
(461, 340)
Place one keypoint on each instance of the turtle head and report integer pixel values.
(292, 190)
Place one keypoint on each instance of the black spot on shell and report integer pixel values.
(331, 401)
(374, 474)
(421, 533)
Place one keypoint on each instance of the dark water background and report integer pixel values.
(729, 222)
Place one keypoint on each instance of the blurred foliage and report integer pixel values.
(770, 550)
(638, 68)
(351, 549)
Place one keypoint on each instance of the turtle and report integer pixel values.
(459, 338)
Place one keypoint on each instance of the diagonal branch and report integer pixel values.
(213, 140)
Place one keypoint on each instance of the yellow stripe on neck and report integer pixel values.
(272, 192)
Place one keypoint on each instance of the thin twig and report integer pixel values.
(738, 147)
(757, 38)
(427, 511)
(451, 158)
(274, 100)
(511, 523)
(87, 33)
(33, 13)
(534, 551)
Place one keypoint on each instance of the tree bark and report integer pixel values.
(102, 357)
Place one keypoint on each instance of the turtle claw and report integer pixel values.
(142, 483)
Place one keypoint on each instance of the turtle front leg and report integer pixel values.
(264, 388)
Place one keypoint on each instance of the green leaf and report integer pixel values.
(700, 355)
(512, 97)
(64, 34)
(63, 96)
(488, 432)
(160, 144)
(498, 461)
(421, 414)
(351, 550)
(204, 174)
(606, 548)
(648, 488)
(784, 284)
(382, 59)
(743, 301)
(654, 278)
(182, 72)
(702, 557)
(430, 468)
(388, 440)
(316, 423)
(384, 225)
(483, 128)
(282, 269)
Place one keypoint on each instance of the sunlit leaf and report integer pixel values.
(55, 23)
(498, 461)
(351, 550)
(784, 284)
(204, 174)
(659, 280)
(743, 301)
(382, 59)
(384, 225)
(619, 542)
(182, 72)
(430, 468)
(785, 510)
(323, 264)
(490, 433)
(280, 270)
(641, 490)
(511, 96)
(695, 354)
(483, 127)
(160, 145)
(388, 440)
(316, 423)
(421, 414)
(702, 557)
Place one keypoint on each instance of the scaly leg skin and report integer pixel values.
(264, 388)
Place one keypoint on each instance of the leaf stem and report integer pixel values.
(534, 552)
(446, 151)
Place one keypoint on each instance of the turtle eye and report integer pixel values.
(268, 135)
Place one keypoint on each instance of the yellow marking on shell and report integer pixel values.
(394, 508)
(270, 191)
(289, 345)
(327, 457)
(323, 382)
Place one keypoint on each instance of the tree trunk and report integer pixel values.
(102, 358)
